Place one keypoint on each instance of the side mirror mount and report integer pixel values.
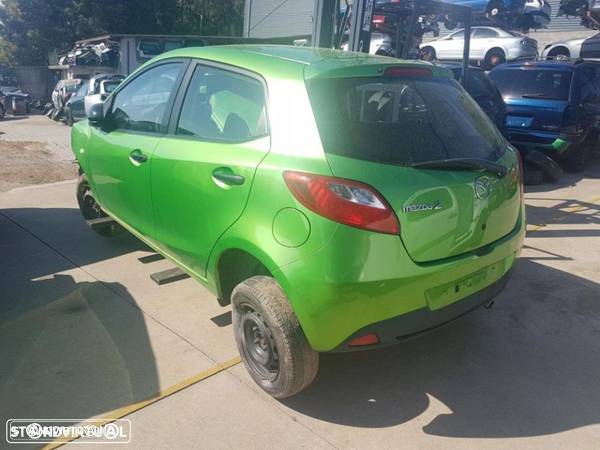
(95, 114)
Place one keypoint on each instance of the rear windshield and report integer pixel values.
(531, 83)
(401, 120)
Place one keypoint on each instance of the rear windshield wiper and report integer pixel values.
(463, 163)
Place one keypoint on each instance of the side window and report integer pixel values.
(140, 106)
(223, 105)
(485, 33)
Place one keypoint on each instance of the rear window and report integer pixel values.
(401, 121)
(531, 83)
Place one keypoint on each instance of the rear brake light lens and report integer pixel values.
(407, 72)
(367, 339)
(344, 201)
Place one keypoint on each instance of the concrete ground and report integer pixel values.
(85, 333)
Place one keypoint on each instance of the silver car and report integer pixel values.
(587, 48)
(489, 47)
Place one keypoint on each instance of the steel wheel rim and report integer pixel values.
(258, 345)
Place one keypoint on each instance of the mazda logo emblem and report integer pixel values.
(483, 187)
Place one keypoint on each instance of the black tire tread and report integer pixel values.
(299, 363)
(109, 230)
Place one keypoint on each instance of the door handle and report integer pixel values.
(137, 157)
(226, 176)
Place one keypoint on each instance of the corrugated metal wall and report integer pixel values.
(278, 18)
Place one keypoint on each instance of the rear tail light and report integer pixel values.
(343, 201)
(407, 72)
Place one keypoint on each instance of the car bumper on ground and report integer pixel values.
(549, 142)
(344, 288)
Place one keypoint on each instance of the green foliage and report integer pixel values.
(31, 29)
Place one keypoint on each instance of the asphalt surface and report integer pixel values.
(85, 332)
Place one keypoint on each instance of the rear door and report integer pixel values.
(120, 154)
(374, 128)
(202, 171)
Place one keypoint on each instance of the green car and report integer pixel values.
(338, 201)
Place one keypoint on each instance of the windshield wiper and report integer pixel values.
(463, 163)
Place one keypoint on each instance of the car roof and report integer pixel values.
(287, 61)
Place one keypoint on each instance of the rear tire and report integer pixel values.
(90, 209)
(269, 338)
(494, 58)
(494, 10)
(428, 54)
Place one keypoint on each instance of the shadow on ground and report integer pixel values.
(69, 348)
(527, 367)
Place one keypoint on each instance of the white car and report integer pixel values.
(489, 47)
(586, 48)
(99, 89)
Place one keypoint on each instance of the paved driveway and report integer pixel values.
(85, 333)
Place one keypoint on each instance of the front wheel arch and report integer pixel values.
(558, 50)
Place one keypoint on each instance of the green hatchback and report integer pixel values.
(338, 201)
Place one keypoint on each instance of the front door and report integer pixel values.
(202, 171)
(120, 154)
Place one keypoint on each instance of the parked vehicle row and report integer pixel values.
(362, 201)
(71, 99)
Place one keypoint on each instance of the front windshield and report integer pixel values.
(402, 120)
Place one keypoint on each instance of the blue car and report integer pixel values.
(552, 106)
(501, 11)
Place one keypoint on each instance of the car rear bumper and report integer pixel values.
(551, 142)
(361, 278)
(424, 320)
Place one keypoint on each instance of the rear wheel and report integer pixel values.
(494, 9)
(90, 209)
(428, 54)
(270, 340)
(494, 58)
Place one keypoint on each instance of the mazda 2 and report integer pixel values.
(338, 201)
